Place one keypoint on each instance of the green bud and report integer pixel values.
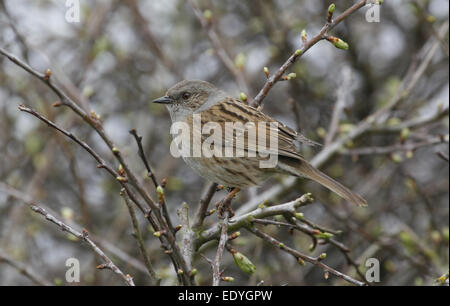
(299, 216)
(331, 8)
(240, 60)
(291, 76)
(303, 35)
(159, 190)
(157, 234)
(194, 272)
(324, 235)
(338, 43)
(323, 256)
(207, 14)
(243, 96)
(228, 279)
(244, 263)
(404, 134)
(298, 52)
(301, 261)
(266, 71)
(396, 158)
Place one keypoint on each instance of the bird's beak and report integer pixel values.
(164, 100)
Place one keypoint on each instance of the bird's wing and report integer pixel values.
(232, 110)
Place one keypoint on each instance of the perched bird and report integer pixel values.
(188, 98)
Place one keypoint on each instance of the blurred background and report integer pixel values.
(123, 54)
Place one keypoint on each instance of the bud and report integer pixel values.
(338, 43)
(324, 235)
(228, 279)
(157, 234)
(194, 272)
(122, 179)
(243, 97)
(178, 227)
(48, 74)
(301, 261)
(240, 60)
(208, 15)
(160, 192)
(180, 272)
(331, 8)
(114, 149)
(299, 216)
(323, 256)
(244, 263)
(121, 170)
(298, 52)
(404, 134)
(291, 76)
(396, 158)
(303, 35)
(234, 235)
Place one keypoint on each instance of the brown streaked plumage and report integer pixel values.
(187, 98)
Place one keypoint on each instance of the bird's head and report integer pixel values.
(188, 97)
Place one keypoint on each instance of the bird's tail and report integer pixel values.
(305, 169)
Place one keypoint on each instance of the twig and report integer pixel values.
(92, 120)
(188, 235)
(150, 173)
(274, 78)
(317, 261)
(204, 203)
(343, 95)
(108, 246)
(443, 156)
(220, 248)
(84, 237)
(140, 241)
(23, 269)
(238, 222)
(397, 147)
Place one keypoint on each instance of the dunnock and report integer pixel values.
(189, 98)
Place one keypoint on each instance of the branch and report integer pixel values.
(203, 207)
(397, 147)
(93, 121)
(317, 261)
(343, 95)
(273, 79)
(84, 237)
(238, 222)
(220, 248)
(140, 241)
(23, 269)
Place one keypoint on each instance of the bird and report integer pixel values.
(190, 99)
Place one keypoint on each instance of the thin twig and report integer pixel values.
(140, 241)
(220, 248)
(84, 236)
(317, 261)
(203, 206)
(23, 269)
(274, 78)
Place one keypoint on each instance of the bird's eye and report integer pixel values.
(186, 95)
